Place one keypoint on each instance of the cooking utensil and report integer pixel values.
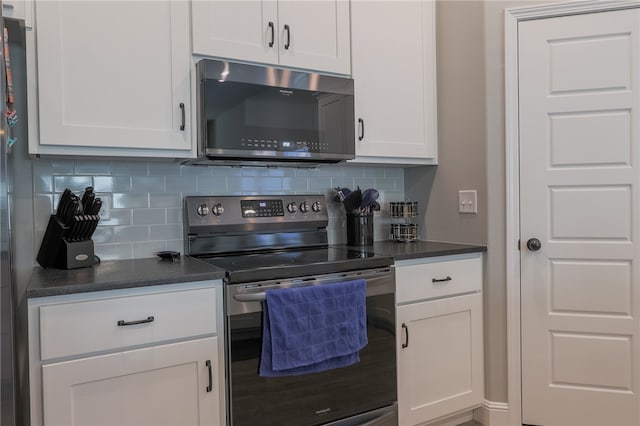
(352, 201)
(368, 197)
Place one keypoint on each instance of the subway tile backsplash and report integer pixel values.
(146, 196)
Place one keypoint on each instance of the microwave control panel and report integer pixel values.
(257, 144)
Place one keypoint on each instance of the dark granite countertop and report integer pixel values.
(420, 249)
(118, 274)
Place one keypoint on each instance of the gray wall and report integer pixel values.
(471, 142)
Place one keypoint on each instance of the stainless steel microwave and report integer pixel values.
(259, 115)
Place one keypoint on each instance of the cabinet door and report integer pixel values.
(113, 74)
(316, 35)
(154, 386)
(245, 30)
(440, 371)
(393, 60)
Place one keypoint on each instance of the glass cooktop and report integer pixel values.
(295, 263)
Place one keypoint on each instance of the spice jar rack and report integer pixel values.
(405, 230)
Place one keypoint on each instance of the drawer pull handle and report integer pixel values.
(435, 280)
(208, 364)
(122, 323)
(406, 336)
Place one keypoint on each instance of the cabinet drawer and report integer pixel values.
(438, 279)
(75, 328)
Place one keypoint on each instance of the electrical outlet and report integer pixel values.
(105, 210)
(468, 201)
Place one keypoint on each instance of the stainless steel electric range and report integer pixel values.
(276, 241)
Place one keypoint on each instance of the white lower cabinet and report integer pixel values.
(439, 329)
(162, 385)
(147, 356)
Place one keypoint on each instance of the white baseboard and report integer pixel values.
(452, 420)
(492, 414)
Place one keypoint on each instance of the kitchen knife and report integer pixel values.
(88, 204)
(74, 227)
(72, 210)
(87, 192)
(63, 204)
(94, 224)
(96, 206)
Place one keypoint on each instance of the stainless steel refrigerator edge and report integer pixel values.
(7, 388)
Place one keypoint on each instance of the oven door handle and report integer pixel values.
(252, 297)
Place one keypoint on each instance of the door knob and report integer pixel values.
(534, 244)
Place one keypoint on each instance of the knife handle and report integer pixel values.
(95, 207)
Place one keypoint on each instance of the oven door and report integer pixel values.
(364, 393)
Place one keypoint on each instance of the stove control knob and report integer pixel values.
(316, 207)
(292, 207)
(217, 209)
(202, 210)
(304, 207)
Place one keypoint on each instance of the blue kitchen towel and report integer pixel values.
(313, 328)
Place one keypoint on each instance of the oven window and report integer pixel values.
(319, 398)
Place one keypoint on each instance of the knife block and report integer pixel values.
(57, 252)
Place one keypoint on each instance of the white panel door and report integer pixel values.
(579, 159)
(245, 30)
(114, 74)
(315, 35)
(156, 386)
(393, 68)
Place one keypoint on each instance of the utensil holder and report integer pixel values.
(57, 252)
(360, 229)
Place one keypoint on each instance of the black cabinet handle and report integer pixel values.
(406, 335)
(122, 323)
(273, 35)
(183, 116)
(436, 280)
(208, 364)
(288, 30)
(361, 123)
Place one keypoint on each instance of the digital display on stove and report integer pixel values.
(262, 208)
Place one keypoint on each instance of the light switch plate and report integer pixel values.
(468, 201)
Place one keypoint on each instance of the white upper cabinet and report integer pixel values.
(393, 64)
(302, 34)
(236, 29)
(113, 78)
